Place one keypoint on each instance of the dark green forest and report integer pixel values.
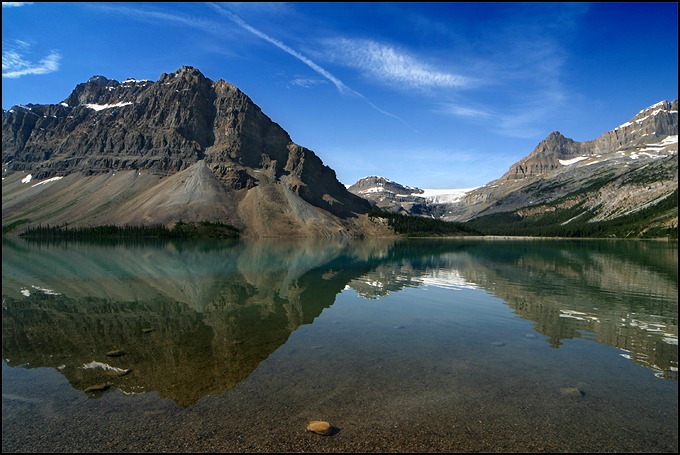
(634, 225)
(420, 226)
(549, 224)
(202, 229)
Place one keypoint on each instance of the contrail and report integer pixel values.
(342, 88)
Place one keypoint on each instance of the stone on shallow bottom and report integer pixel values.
(117, 373)
(116, 353)
(98, 387)
(572, 392)
(320, 427)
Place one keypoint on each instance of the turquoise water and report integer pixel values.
(439, 345)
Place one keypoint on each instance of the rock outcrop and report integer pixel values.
(389, 195)
(623, 171)
(182, 148)
(650, 125)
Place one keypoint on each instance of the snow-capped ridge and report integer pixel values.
(652, 110)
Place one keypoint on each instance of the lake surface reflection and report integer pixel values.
(475, 330)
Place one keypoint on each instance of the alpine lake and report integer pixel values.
(418, 345)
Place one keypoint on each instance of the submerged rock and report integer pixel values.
(116, 353)
(98, 387)
(118, 372)
(320, 427)
(572, 392)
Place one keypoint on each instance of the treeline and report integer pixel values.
(419, 226)
(549, 225)
(202, 229)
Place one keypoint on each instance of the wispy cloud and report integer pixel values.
(15, 63)
(151, 16)
(389, 65)
(518, 120)
(342, 88)
(15, 4)
(307, 82)
(460, 110)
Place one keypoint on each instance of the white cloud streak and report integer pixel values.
(459, 110)
(306, 82)
(391, 66)
(15, 64)
(15, 4)
(342, 88)
(151, 16)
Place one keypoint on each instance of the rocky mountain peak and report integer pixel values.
(556, 144)
(661, 106)
(210, 133)
(100, 80)
(377, 184)
(649, 125)
(628, 169)
(544, 158)
(186, 74)
(555, 136)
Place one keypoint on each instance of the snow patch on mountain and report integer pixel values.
(99, 107)
(655, 110)
(572, 161)
(446, 196)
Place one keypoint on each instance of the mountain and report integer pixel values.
(183, 148)
(625, 182)
(398, 198)
(390, 195)
(638, 158)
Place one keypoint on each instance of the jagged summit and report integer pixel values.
(184, 125)
(650, 125)
(99, 80)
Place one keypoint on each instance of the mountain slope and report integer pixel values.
(612, 179)
(182, 148)
(620, 172)
(623, 183)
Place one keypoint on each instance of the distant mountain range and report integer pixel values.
(627, 177)
(395, 197)
(188, 149)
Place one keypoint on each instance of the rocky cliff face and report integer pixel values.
(623, 171)
(183, 147)
(651, 125)
(395, 197)
(389, 195)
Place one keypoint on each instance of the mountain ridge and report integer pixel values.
(186, 148)
(133, 151)
(622, 172)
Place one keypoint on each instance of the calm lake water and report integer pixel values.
(414, 345)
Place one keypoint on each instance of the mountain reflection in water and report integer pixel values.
(196, 318)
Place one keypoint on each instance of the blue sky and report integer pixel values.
(433, 95)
